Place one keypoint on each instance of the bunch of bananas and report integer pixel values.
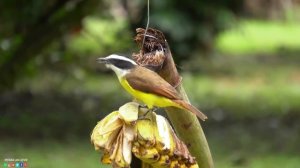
(150, 139)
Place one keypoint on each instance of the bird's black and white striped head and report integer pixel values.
(120, 64)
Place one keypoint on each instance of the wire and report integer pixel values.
(148, 19)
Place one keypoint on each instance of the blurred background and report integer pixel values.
(239, 60)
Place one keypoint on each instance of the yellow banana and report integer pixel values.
(148, 155)
(151, 139)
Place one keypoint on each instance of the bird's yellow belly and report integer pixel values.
(149, 99)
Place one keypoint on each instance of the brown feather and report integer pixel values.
(191, 108)
(147, 81)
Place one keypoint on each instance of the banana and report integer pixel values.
(106, 131)
(152, 140)
(145, 132)
(164, 161)
(165, 138)
(148, 155)
(105, 158)
(129, 112)
(129, 133)
(174, 164)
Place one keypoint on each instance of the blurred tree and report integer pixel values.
(27, 27)
(189, 25)
(271, 9)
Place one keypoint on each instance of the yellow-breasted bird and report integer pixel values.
(146, 85)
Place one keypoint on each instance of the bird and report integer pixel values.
(146, 85)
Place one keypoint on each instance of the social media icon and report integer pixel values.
(11, 165)
(17, 164)
(21, 164)
(25, 164)
(5, 164)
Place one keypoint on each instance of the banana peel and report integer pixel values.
(151, 139)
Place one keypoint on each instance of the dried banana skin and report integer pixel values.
(151, 139)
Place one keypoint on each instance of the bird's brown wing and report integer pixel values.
(145, 80)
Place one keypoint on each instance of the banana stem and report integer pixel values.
(191, 133)
(185, 123)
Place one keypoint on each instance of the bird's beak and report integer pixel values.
(102, 60)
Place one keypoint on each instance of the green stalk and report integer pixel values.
(190, 132)
(185, 123)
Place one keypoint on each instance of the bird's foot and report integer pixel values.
(142, 106)
(144, 116)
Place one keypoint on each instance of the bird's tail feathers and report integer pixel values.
(191, 108)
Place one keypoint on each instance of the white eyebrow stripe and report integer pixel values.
(115, 56)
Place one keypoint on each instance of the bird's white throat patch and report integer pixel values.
(119, 72)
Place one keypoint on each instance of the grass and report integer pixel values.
(53, 154)
(80, 153)
(259, 161)
(252, 36)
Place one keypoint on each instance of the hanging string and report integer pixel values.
(148, 18)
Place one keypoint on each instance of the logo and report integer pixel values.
(15, 163)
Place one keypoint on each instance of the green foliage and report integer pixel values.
(191, 26)
(101, 36)
(33, 31)
(49, 22)
(251, 36)
(243, 97)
